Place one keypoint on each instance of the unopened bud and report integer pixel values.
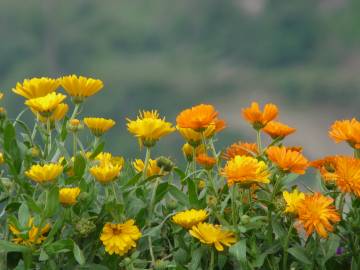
(165, 163)
(74, 125)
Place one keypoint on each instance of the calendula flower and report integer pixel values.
(210, 234)
(31, 235)
(292, 200)
(316, 213)
(287, 160)
(326, 167)
(81, 87)
(149, 129)
(245, 171)
(257, 118)
(197, 118)
(188, 151)
(105, 172)
(278, 130)
(346, 174)
(68, 196)
(189, 218)
(105, 157)
(206, 161)
(240, 149)
(98, 126)
(44, 173)
(346, 131)
(36, 87)
(45, 105)
(57, 115)
(193, 137)
(120, 238)
(295, 148)
(152, 169)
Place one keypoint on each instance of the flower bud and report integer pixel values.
(201, 184)
(165, 164)
(85, 226)
(34, 152)
(3, 113)
(211, 201)
(160, 265)
(171, 204)
(74, 125)
(245, 219)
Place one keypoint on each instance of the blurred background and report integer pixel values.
(302, 55)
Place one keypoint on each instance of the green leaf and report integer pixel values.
(133, 180)
(290, 178)
(64, 132)
(60, 246)
(332, 244)
(196, 256)
(23, 215)
(299, 254)
(239, 251)
(78, 254)
(193, 199)
(97, 150)
(32, 204)
(52, 204)
(12, 247)
(43, 255)
(79, 165)
(178, 195)
(161, 191)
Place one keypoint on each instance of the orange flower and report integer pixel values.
(295, 148)
(287, 160)
(258, 118)
(220, 125)
(346, 130)
(316, 213)
(278, 130)
(206, 161)
(240, 149)
(326, 167)
(198, 117)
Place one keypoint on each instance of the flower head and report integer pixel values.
(198, 117)
(193, 137)
(258, 118)
(105, 172)
(326, 167)
(188, 151)
(246, 171)
(292, 200)
(68, 196)
(206, 161)
(278, 130)
(346, 130)
(45, 105)
(105, 157)
(57, 115)
(189, 218)
(98, 126)
(36, 87)
(316, 213)
(287, 160)
(152, 169)
(120, 238)
(149, 129)
(30, 235)
(240, 149)
(210, 234)
(81, 87)
(44, 173)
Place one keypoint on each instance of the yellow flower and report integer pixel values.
(278, 130)
(210, 234)
(120, 238)
(36, 87)
(188, 151)
(346, 131)
(292, 200)
(288, 160)
(149, 129)
(68, 196)
(189, 218)
(81, 87)
(28, 236)
(45, 105)
(193, 137)
(44, 173)
(316, 212)
(58, 114)
(245, 171)
(257, 118)
(1, 158)
(98, 126)
(153, 168)
(105, 157)
(105, 172)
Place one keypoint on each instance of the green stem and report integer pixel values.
(151, 251)
(286, 246)
(212, 259)
(74, 143)
(357, 153)
(233, 205)
(212, 182)
(258, 140)
(146, 163)
(152, 201)
(75, 112)
(194, 161)
(341, 203)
